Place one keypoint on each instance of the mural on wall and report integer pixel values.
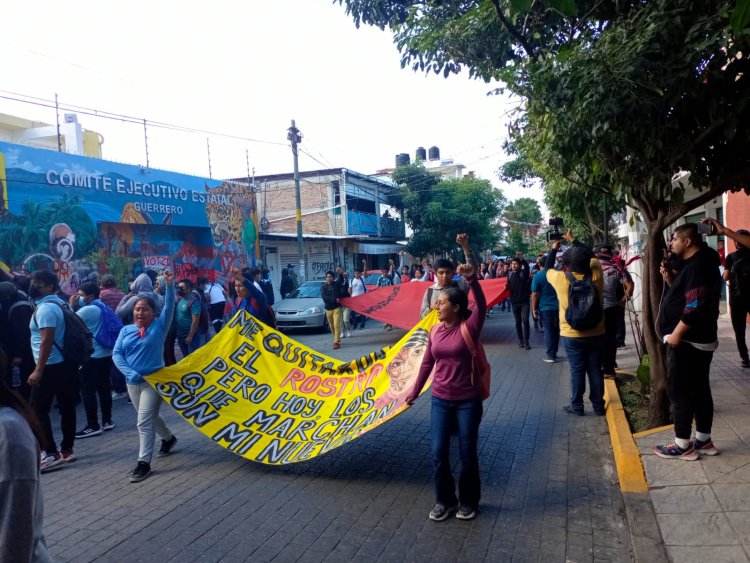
(63, 212)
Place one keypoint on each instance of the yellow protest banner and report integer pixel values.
(270, 399)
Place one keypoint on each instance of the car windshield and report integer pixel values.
(306, 290)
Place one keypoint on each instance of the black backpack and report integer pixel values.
(78, 342)
(740, 277)
(584, 304)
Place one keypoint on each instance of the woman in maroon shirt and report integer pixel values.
(456, 396)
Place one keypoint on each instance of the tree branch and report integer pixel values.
(688, 206)
(512, 30)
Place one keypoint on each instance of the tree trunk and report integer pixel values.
(653, 287)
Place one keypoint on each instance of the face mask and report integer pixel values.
(81, 301)
(34, 292)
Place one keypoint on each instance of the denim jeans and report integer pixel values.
(147, 402)
(464, 416)
(197, 341)
(551, 320)
(521, 313)
(585, 358)
(95, 382)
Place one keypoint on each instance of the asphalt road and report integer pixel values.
(549, 484)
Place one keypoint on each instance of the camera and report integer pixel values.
(707, 229)
(554, 233)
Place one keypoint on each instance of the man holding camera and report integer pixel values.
(688, 323)
(737, 276)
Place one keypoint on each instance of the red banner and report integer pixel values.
(399, 305)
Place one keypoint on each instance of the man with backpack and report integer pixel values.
(579, 292)
(618, 288)
(54, 374)
(15, 338)
(191, 318)
(737, 276)
(105, 326)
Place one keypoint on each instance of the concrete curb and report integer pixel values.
(645, 537)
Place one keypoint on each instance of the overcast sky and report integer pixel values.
(245, 68)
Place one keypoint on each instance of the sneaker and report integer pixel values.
(50, 461)
(166, 447)
(549, 360)
(141, 471)
(570, 410)
(441, 512)
(520, 344)
(600, 412)
(527, 346)
(68, 456)
(116, 395)
(704, 448)
(109, 425)
(348, 333)
(466, 513)
(88, 431)
(673, 451)
(745, 363)
(336, 345)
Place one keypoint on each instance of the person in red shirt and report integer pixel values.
(108, 292)
(456, 394)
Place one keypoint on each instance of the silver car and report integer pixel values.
(302, 308)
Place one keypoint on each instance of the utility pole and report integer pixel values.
(57, 115)
(295, 137)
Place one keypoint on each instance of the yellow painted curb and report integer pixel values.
(627, 457)
(652, 431)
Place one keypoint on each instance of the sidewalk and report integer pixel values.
(703, 507)
(549, 485)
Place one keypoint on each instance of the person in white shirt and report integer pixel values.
(217, 300)
(357, 287)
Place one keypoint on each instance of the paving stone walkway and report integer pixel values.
(703, 507)
(549, 485)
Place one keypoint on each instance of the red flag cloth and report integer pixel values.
(399, 305)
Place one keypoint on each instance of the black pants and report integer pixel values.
(689, 389)
(216, 314)
(521, 313)
(59, 380)
(609, 352)
(739, 324)
(95, 381)
(621, 329)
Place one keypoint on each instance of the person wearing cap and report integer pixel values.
(739, 304)
(618, 287)
(583, 347)
(15, 336)
(109, 294)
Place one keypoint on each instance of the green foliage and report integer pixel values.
(437, 209)
(524, 220)
(28, 233)
(643, 373)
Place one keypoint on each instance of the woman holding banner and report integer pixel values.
(139, 352)
(456, 394)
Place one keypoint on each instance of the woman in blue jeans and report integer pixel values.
(139, 352)
(456, 394)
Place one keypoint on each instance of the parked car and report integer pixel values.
(302, 308)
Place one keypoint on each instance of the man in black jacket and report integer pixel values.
(15, 335)
(688, 323)
(330, 292)
(519, 282)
